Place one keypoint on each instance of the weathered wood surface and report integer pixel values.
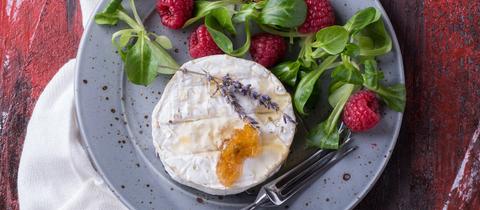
(440, 41)
(36, 39)
(441, 48)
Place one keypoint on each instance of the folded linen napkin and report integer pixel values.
(55, 172)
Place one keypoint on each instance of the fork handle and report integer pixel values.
(279, 194)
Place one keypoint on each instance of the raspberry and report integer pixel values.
(319, 15)
(174, 13)
(267, 49)
(201, 44)
(361, 111)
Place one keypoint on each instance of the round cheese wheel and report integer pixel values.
(192, 121)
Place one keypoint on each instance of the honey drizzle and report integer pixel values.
(244, 143)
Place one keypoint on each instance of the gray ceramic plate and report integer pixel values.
(114, 118)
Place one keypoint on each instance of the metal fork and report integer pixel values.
(284, 187)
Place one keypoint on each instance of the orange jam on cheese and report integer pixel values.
(243, 144)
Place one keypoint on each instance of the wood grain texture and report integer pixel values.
(440, 44)
(441, 49)
(36, 39)
(465, 193)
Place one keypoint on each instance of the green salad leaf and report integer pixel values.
(140, 65)
(332, 40)
(204, 8)
(351, 50)
(373, 40)
(362, 19)
(167, 65)
(339, 92)
(306, 53)
(109, 15)
(249, 11)
(223, 41)
(393, 96)
(347, 75)
(120, 40)
(334, 85)
(319, 137)
(326, 135)
(215, 30)
(287, 72)
(307, 83)
(224, 18)
(284, 13)
(163, 41)
(144, 59)
(372, 75)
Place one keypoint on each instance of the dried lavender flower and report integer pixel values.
(232, 100)
(247, 90)
(287, 118)
(228, 87)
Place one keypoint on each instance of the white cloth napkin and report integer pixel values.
(55, 172)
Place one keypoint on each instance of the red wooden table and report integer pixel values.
(440, 41)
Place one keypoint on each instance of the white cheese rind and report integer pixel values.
(189, 125)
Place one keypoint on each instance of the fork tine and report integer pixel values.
(283, 187)
(337, 157)
(347, 137)
(271, 188)
(319, 157)
(289, 175)
(313, 166)
(342, 127)
(292, 182)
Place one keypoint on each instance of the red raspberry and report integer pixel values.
(319, 15)
(174, 13)
(267, 49)
(201, 44)
(361, 111)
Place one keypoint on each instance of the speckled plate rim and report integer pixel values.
(79, 110)
(391, 31)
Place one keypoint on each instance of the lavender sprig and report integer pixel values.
(287, 118)
(232, 100)
(228, 87)
(247, 90)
